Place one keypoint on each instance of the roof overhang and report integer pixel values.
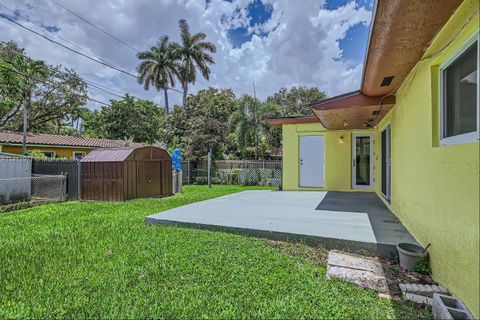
(278, 122)
(353, 110)
(401, 32)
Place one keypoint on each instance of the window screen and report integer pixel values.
(460, 94)
(384, 162)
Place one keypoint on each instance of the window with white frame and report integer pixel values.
(460, 94)
(78, 155)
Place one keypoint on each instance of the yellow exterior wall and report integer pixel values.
(435, 189)
(338, 156)
(61, 152)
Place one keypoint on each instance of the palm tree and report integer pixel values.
(159, 67)
(194, 53)
(244, 122)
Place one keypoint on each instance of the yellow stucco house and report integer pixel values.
(410, 134)
(56, 146)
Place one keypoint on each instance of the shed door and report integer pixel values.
(148, 178)
(312, 161)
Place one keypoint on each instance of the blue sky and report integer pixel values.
(355, 42)
(274, 43)
(353, 46)
(259, 14)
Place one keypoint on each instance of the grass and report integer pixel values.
(99, 260)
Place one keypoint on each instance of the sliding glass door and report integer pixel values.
(386, 163)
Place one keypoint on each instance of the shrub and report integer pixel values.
(15, 206)
(37, 154)
(19, 197)
(3, 199)
(422, 267)
(201, 180)
(14, 198)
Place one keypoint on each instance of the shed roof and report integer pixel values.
(122, 154)
(108, 155)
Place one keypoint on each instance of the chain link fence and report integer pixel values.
(49, 187)
(53, 167)
(36, 187)
(239, 172)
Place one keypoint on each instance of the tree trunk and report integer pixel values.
(28, 102)
(185, 90)
(165, 92)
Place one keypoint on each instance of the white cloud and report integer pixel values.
(301, 47)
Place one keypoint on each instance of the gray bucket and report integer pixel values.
(410, 254)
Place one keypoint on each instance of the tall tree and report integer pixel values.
(207, 113)
(50, 94)
(271, 136)
(297, 100)
(174, 127)
(130, 118)
(249, 129)
(244, 124)
(159, 67)
(194, 53)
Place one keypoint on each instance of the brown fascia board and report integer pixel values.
(278, 122)
(400, 31)
(351, 100)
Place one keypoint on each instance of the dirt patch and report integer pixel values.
(396, 275)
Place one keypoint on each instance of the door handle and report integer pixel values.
(301, 161)
(353, 162)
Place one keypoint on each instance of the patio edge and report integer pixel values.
(366, 248)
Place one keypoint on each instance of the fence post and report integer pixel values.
(209, 167)
(188, 172)
(79, 186)
(67, 196)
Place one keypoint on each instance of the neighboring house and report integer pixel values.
(56, 146)
(410, 134)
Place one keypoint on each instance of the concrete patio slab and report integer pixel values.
(293, 216)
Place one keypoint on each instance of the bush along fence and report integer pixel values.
(240, 172)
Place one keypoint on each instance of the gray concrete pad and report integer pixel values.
(289, 215)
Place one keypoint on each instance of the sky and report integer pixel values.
(274, 43)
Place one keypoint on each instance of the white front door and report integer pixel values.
(312, 161)
(362, 161)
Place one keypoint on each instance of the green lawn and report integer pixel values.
(100, 260)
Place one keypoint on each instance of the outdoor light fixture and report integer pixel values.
(345, 123)
(341, 139)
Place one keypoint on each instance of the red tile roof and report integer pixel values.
(58, 140)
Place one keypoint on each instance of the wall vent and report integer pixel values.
(386, 81)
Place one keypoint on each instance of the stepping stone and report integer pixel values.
(417, 298)
(426, 290)
(359, 270)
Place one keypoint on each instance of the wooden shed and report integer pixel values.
(119, 174)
